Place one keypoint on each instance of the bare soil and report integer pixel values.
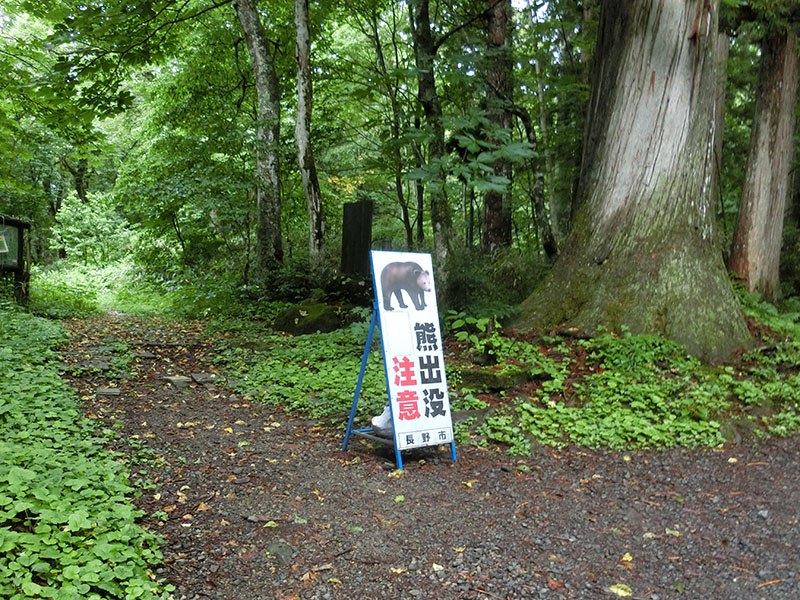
(254, 504)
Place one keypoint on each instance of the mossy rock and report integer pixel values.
(492, 378)
(737, 429)
(309, 318)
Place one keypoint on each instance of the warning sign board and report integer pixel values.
(412, 348)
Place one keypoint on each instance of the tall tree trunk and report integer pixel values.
(757, 240)
(496, 204)
(641, 253)
(537, 192)
(723, 47)
(302, 134)
(392, 86)
(269, 249)
(552, 203)
(419, 188)
(424, 53)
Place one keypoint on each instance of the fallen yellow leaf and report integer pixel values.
(621, 590)
(228, 430)
(627, 557)
(469, 483)
(399, 570)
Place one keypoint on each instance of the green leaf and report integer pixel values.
(79, 520)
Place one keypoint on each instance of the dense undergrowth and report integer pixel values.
(615, 391)
(612, 390)
(67, 527)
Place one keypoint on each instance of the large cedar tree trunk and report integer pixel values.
(269, 250)
(424, 54)
(641, 253)
(302, 134)
(497, 204)
(757, 240)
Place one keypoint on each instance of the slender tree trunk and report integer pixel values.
(419, 189)
(269, 249)
(552, 202)
(302, 134)
(537, 192)
(757, 240)
(641, 253)
(391, 86)
(496, 204)
(723, 43)
(424, 54)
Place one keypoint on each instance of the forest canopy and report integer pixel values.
(214, 145)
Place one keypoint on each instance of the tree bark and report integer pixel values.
(424, 53)
(755, 256)
(80, 177)
(302, 134)
(269, 249)
(723, 50)
(392, 86)
(496, 204)
(641, 253)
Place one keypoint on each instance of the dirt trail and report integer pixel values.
(253, 504)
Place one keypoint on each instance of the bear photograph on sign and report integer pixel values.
(397, 277)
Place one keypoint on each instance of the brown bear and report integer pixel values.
(408, 276)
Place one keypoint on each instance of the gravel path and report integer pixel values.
(253, 504)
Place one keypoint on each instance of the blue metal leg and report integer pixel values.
(349, 431)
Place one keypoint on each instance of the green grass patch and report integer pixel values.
(67, 527)
(311, 375)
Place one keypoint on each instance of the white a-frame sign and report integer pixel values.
(413, 356)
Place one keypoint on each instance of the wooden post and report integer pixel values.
(357, 237)
(18, 245)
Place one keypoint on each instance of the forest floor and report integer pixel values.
(253, 503)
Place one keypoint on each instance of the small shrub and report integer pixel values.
(57, 293)
(495, 285)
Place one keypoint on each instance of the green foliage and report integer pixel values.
(493, 285)
(58, 293)
(311, 375)
(790, 261)
(646, 392)
(92, 232)
(67, 528)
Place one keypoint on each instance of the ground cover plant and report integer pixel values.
(310, 375)
(67, 526)
(611, 390)
(626, 391)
